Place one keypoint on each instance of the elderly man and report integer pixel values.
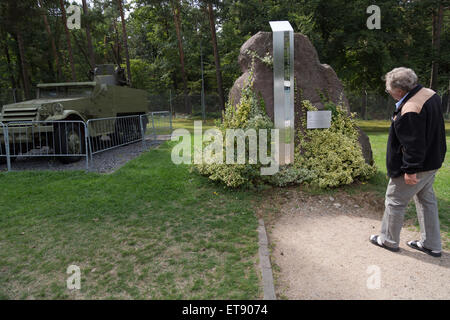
(415, 151)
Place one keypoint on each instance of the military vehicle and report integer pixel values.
(106, 95)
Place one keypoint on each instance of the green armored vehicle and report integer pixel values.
(106, 96)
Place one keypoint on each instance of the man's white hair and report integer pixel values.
(401, 78)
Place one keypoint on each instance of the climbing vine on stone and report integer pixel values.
(267, 59)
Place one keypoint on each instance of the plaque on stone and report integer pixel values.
(318, 119)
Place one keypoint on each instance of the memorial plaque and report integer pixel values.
(318, 119)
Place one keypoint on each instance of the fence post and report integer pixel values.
(170, 119)
(170, 102)
(8, 156)
(153, 126)
(90, 142)
(87, 144)
(4, 139)
(142, 130)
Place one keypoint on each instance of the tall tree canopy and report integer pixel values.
(166, 38)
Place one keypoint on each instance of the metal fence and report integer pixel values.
(373, 106)
(181, 104)
(64, 139)
(3, 156)
(71, 141)
(160, 121)
(109, 133)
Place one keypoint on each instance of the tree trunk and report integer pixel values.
(363, 106)
(448, 98)
(8, 61)
(80, 47)
(105, 43)
(88, 36)
(24, 66)
(125, 41)
(438, 16)
(69, 45)
(176, 17)
(50, 67)
(116, 47)
(216, 56)
(52, 42)
(19, 92)
(19, 74)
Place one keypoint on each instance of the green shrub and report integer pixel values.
(249, 113)
(334, 155)
(324, 157)
(291, 175)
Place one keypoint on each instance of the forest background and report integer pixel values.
(175, 48)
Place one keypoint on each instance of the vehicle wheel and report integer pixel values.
(69, 139)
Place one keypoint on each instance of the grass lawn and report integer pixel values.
(151, 230)
(377, 130)
(378, 133)
(188, 124)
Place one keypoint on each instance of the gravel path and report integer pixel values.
(104, 162)
(322, 251)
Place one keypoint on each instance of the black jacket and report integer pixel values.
(417, 134)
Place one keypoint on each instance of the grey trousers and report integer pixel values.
(398, 195)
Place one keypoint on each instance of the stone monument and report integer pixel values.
(311, 79)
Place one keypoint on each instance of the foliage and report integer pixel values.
(140, 69)
(333, 154)
(336, 28)
(327, 158)
(267, 59)
(292, 175)
(249, 113)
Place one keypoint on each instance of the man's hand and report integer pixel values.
(411, 179)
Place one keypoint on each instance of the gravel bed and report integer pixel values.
(104, 162)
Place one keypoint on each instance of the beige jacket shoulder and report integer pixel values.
(415, 104)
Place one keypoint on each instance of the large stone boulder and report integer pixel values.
(312, 78)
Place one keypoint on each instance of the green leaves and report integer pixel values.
(333, 155)
(249, 113)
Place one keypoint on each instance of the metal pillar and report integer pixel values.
(283, 87)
